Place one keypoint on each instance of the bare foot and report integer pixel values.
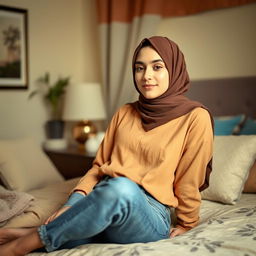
(22, 245)
(10, 234)
(8, 250)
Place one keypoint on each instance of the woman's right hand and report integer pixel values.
(56, 214)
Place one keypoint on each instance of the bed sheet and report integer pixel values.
(223, 230)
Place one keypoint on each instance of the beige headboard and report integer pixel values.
(229, 96)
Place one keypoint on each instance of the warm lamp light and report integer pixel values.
(84, 103)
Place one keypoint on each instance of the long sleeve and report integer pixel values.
(173, 155)
(191, 170)
(93, 176)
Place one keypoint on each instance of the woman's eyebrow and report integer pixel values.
(153, 61)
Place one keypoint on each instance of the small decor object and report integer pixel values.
(83, 130)
(92, 144)
(84, 103)
(53, 96)
(13, 48)
(100, 136)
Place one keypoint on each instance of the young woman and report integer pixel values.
(156, 154)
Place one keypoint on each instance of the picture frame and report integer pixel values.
(13, 48)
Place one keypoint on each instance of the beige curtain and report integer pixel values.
(123, 24)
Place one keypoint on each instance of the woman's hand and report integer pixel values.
(176, 232)
(74, 198)
(57, 214)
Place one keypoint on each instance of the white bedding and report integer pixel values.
(225, 230)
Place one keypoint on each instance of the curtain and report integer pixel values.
(123, 24)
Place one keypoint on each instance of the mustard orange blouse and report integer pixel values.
(169, 161)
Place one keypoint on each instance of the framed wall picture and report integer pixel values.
(13, 48)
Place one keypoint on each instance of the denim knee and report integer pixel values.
(120, 188)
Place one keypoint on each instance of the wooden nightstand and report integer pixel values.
(70, 162)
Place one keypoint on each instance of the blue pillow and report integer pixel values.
(227, 125)
(249, 127)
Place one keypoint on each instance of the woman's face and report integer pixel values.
(151, 75)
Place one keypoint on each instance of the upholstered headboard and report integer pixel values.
(229, 96)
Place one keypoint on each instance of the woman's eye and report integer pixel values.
(138, 69)
(157, 67)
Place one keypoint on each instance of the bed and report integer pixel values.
(228, 212)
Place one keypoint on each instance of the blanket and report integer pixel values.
(12, 203)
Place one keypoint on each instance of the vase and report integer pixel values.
(54, 129)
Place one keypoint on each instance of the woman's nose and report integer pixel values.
(147, 74)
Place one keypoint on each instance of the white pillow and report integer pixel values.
(24, 165)
(233, 157)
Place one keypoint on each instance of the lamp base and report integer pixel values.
(82, 131)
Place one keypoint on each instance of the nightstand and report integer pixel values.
(70, 162)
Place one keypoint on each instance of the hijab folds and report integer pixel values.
(172, 103)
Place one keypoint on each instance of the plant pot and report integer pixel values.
(54, 129)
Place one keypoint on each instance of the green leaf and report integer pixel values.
(45, 79)
(52, 93)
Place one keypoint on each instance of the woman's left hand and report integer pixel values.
(176, 232)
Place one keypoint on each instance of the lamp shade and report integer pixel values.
(84, 102)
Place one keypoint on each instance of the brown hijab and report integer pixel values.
(172, 103)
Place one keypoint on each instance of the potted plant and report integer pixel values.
(53, 96)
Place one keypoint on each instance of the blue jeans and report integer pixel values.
(116, 211)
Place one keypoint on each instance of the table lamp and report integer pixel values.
(84, 103)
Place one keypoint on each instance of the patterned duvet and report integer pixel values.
(225, 230)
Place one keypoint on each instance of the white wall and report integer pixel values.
(216, 44)
(62, 40)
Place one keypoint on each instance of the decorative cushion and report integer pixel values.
(228, 125)
(24, 166)
(250, 184)
(249, 127)
(233, 157)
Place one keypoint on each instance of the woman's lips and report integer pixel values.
(148, 86)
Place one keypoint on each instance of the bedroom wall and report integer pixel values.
(216, 44)
(62, 38)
